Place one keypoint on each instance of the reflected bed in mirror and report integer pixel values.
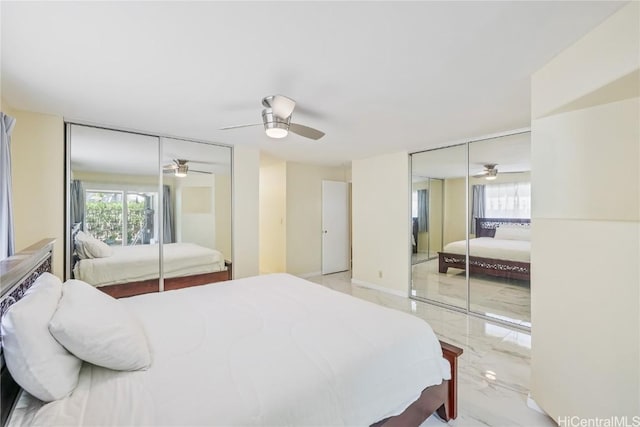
(124, 200)
(501, 248)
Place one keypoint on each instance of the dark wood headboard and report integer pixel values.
(486, 227)
(17, 274)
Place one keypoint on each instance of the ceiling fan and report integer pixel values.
(276, 118)
(490, 172)
(180, 167)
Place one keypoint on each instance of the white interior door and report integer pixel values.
(335, 227)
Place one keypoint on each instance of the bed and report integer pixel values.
(133, 270)
(267, 350)
(499, 257)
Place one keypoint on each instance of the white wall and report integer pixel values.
(454, 210)
(381, 229)
(37, 174)
(304, 215)
(436, 215)
(195, 210)
(585, 296)
(273, 206)
(223, 214)
(246, 179)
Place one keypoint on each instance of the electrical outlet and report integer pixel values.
(380, 274)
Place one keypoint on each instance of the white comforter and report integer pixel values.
(140, 262)
(488, 247)
(269, 350)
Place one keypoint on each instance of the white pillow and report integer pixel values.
(88, 246)
(97, 328)
(35, 359)
(512, 233)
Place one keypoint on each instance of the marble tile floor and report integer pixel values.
(493, 371)
(509, 299)
(421, 257)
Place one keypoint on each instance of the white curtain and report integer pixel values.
(7, 238)
(509, 200)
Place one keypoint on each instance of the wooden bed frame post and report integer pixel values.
(449, 410)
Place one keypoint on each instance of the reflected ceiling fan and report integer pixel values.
(276, 119)
(490, 172)
(180, 167)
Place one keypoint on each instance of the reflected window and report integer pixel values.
(508, 200)
(121, 217)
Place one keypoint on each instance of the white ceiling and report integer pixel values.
(111, 152)
(375, 76)
(510, 154)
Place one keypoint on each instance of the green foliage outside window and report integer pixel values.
(104, 220)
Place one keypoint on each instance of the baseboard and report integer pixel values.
(533, 405)
(380, 288)
(307, 275)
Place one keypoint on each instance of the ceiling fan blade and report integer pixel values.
(203, 162)
(170, 167)
(282, 106)
(241, 126)
(197, 171)
(306, 131)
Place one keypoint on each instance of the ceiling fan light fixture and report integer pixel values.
(181, 170)
(492, 174)
(274, 126)
(276, 118)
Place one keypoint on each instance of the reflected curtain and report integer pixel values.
(167, 212)
(77, 202)
(423, 211)
(477, 205)
(7, 237)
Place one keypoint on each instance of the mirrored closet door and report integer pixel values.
(438, 200)
(146, 213)
(113, 193)
(197, 196)
(499, 228)
(471, 210)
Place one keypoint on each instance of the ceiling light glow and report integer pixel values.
(276, 132)
(181, 170)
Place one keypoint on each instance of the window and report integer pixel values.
(121, 217)
(509, 200)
